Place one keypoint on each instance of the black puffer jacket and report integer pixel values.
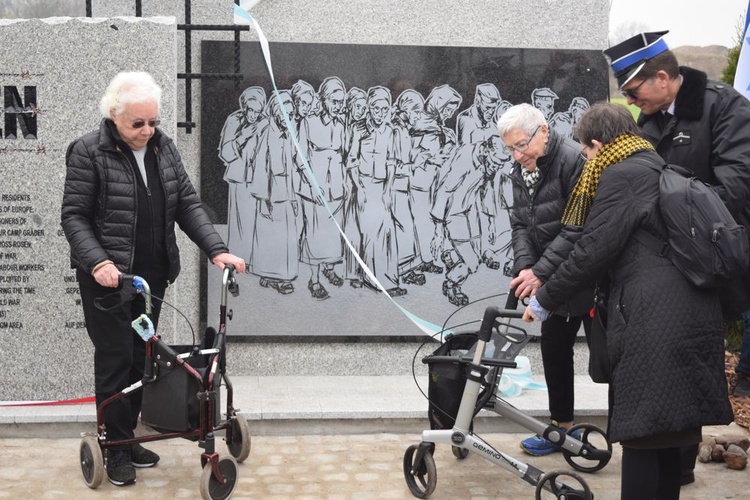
(99, 203)
(665, 336)
(710, 135)
(539, 240)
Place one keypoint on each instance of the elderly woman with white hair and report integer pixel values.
(125, 189)
(546, 166)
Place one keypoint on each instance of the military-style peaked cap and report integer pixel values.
(628, 57)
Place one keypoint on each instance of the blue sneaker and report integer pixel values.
(539, 446)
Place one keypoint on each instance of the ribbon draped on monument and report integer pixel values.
(241, 16)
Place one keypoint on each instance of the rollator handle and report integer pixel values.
(488, 321)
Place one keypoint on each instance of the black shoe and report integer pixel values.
(412, 278)
(687, 477)
(430, 267)
(454, 294)
(120, 470)
(317, 291)
(332, 277)
(143, 458)
(742, 388)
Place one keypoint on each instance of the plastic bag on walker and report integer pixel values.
(514, 380)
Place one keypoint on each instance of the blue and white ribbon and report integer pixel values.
(242, 16)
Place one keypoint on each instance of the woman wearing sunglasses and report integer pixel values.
(125, 189)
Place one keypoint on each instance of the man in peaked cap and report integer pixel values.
(703, 125)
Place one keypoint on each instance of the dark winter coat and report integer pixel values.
(539, 240)
(665, 336)
(99, 208)
(710, 135)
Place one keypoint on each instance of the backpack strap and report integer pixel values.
(656, 245)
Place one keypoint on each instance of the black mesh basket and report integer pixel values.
(447, 378)
(170, 401)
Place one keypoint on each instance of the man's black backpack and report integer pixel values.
(705, 242)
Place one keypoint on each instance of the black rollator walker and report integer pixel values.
(469, 364)
(181, 398)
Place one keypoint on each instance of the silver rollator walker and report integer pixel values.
(590, 452)
(181, 397)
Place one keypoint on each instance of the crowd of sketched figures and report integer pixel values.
(412, 196)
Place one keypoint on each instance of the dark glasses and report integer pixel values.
(633, 93)
(141, 123)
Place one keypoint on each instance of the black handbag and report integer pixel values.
(599, 369)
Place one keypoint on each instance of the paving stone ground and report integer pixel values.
(300, 467)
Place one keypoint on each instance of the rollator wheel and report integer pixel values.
(238, 438)
(421, 478)
(92, 462)
(459, 453)
(212, 488)
(550, 486)
(595, 437)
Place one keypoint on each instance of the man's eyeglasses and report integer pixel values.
(523, 146)
(633, 93)
(141, 123)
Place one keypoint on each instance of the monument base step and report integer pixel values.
(291, 405)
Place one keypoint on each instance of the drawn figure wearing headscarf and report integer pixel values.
(322, 139)
(470, 170)
(237, 148)
(305, 100)
(474, 124)
(434, 142)
(406, 112)
(564, 121)
(373, 165)
(275, 255)
(356, 111)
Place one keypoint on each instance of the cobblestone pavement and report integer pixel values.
(367, 466)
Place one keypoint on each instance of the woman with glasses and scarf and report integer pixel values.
(664, 335)
(125, 190)
(546, 166)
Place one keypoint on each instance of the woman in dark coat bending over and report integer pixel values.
(664, 335)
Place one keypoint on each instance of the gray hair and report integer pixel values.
(523, 117)
(126, 88)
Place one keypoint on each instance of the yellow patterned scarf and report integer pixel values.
(613, 152)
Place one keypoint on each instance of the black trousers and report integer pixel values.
(650, 474)
(119, 352)
(558, 337)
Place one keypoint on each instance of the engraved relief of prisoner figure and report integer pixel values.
(474, 124)
(356, 110)
(372, 164)
(564, 121)
(406, 112)
(471, 169)
(435, 142)
(305, 101)
(321, 137)
(237, 147)
(275, 255)
(496, 201)
(544, 100)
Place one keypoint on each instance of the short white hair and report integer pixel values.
(129, 87)
(523, 117)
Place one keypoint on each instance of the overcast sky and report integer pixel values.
(690, 22)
